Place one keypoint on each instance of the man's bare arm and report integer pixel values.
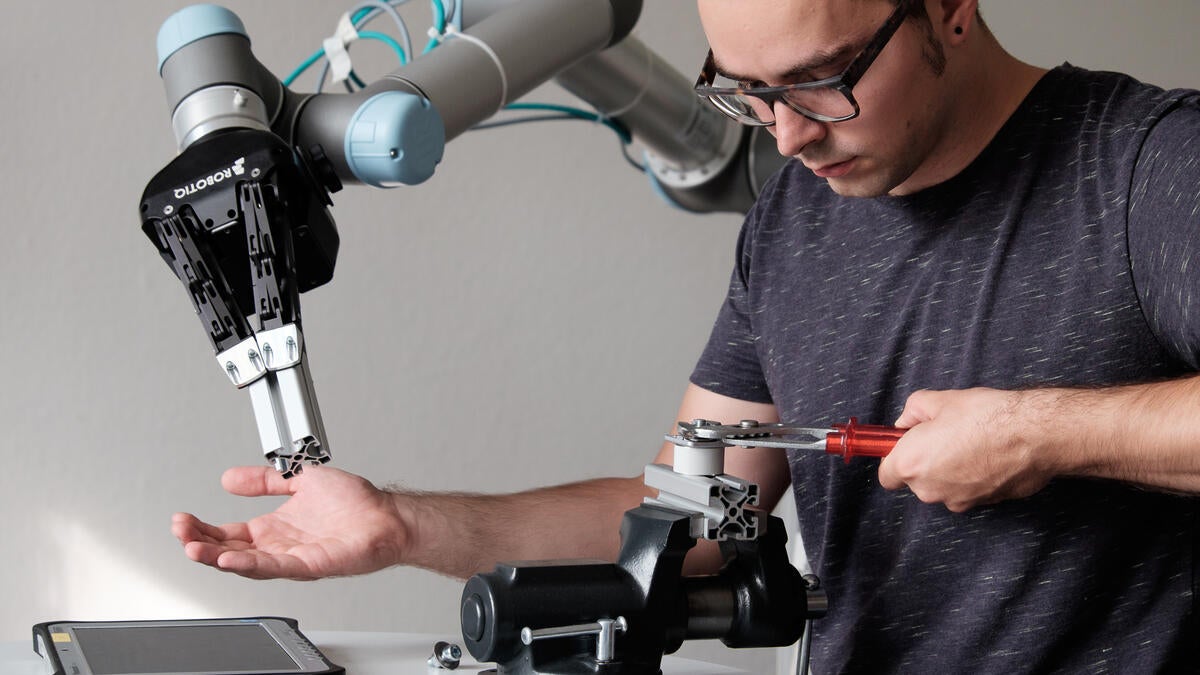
(979, 446)
(336, 524)
(463, 534)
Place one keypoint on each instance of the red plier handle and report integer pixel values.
(861, 440)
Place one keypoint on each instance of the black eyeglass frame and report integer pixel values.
(842, 83)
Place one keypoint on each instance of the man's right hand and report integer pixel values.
(333, 524)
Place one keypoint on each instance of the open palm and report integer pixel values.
(333, 524)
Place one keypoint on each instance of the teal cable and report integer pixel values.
(316, 56)
(370, 35)
(439, 24)
(616, 126)
(388, 40)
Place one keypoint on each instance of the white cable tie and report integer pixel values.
(335, 49)
(435, 35)
(451, 31)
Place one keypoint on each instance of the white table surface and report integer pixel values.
(362, 654)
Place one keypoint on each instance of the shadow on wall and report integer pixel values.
(111, 585)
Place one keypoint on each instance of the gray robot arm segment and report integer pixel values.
(467, 79)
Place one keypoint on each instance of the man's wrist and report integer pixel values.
(1046, 423)
(437, 532)
(1102, 432)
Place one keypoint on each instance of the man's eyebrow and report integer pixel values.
(817, 61)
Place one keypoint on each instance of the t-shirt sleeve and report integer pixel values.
(729, 364)
(1164, 230)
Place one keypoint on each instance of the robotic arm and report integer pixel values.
(240, 215)
(393, 131)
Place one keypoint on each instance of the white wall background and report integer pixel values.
(534, 287)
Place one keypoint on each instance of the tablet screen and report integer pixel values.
(213, 648)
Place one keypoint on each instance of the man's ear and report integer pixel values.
(957, 20)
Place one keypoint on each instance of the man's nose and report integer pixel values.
(793, 131)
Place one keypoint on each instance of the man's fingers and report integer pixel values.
(920, 407)
(257, 481)
(888, 479)
(259, 565)
(188, 528)
(203, 552)
(182, 527)
(239, 559)
(896, 469)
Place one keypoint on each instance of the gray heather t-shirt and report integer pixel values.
(1066, 254)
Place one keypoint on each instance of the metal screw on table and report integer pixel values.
(445, 655)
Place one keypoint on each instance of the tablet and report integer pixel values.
(244, 646)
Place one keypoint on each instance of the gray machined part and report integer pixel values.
(271, 430)
(533, 40)
(222, 59)
(217, 107)
(718, 504)
(299, 407)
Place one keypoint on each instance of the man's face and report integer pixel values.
(777, 42)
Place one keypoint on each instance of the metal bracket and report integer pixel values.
(719, 504)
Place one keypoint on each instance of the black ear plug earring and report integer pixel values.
(958, 30)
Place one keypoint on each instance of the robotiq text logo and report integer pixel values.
(236, 169)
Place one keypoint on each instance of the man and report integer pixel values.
(1010, 244)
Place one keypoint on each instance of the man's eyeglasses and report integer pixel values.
(827, 100)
